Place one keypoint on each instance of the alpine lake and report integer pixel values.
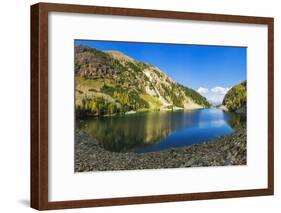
(154, 131)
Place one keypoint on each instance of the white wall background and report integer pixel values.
(15, 99)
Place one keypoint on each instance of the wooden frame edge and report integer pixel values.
(39, 111)
(270, 125)
(149, 13)
(154, 199)
(39, 107)
(34, 168)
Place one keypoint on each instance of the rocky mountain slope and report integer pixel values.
(110, 82)
(235, 99)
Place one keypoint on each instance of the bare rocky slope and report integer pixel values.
(110, 82)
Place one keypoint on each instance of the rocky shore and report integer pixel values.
(223, 151)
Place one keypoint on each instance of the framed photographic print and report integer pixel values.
(133, 106)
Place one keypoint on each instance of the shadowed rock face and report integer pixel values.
(242, 110)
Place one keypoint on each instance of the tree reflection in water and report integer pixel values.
(159, 130)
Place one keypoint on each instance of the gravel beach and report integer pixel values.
(223, 151)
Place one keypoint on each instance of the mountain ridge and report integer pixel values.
(110, 82)
(119, 55)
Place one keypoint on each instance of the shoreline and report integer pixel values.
(222, 151)
(176, 109)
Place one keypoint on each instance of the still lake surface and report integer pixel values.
(154, 131)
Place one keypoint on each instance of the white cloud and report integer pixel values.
(202, 90)
(214, 95)
(220, 90)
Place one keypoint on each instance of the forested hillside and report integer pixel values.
(109, 82)
(236, 98)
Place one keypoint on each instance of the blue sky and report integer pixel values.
(211, 70)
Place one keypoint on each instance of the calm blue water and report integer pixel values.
(154, 131)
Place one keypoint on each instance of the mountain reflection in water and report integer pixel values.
(154, 131)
